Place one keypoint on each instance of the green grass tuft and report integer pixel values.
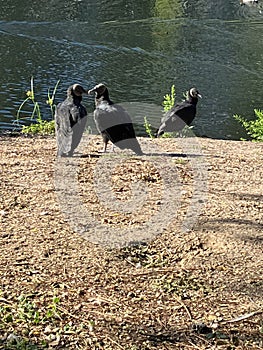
(169, 100)
(42, 127)
(254, 128)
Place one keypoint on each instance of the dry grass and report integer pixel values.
(61, 291)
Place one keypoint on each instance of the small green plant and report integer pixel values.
(180, 284)
(148, 128)
(20, 344)
(52, 308)
(169, 100)
(30, 97)
(28, 311)
(41, 126)
(29, 320)
(254, 128)
(51, 97)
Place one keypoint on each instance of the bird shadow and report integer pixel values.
(150, 154)
(181, 155)
(171, 155)
(174, 155)
(89, 155)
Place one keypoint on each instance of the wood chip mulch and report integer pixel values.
(177, 265)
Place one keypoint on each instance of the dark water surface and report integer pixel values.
(139, 49)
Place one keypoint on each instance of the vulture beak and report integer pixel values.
(200, 96)
(99, 89)
(89, 92)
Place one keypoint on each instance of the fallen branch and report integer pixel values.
(243, 317)
(185, 307)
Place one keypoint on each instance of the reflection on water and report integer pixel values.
(139, 49)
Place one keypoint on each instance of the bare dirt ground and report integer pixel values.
(190, 284)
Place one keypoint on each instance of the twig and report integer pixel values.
(109, 314)
(68, 313)
(199, 338)
(103, 300)
(21, 263)
(186, 308)
(113, 341)
(3, 300)
(243, 317)
(157, 271)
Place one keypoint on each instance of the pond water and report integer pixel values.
(139, 49)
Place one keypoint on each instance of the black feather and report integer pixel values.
(70, 121)
(180, 115)
(113, 121)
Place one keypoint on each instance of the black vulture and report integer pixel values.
(70, 121)
(180, 114)
(113, 122)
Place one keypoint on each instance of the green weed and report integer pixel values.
(41, 126)
(148, 128)
(169, 100)
(181, 284)
(30, 98)
(20, 344)
(29, 312)
(26, 313)
(51, 98)
(254, 128)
